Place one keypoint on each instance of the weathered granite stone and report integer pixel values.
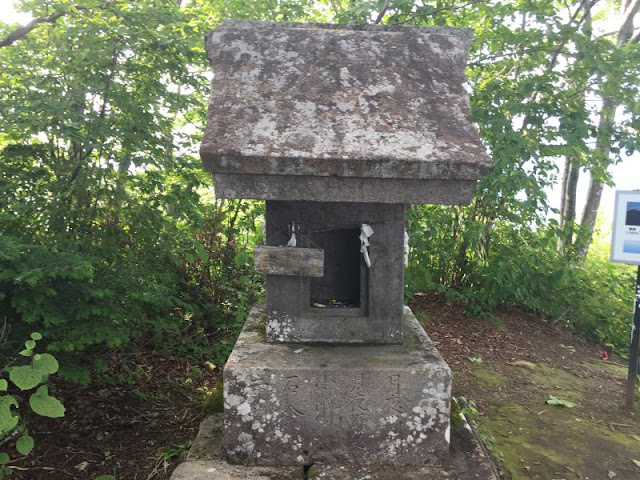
(337, 189)
(370, 310)
(467, 461)
(294, 102)
(361, 405)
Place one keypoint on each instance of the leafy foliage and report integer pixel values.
(25, 378)
(111, 237)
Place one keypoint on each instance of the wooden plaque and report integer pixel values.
(303, 262)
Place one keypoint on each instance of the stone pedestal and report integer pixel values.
(293, 404)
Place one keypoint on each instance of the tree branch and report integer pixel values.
(337, 6)
(631, 9)
(21, 32)
(452, 8)
(382, 12)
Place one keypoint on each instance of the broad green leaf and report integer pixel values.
(560, 402)
(36, 336)
(8, 419)
(24, 445)
(4, 458)
(3, 385)
(46, 363)
(45, 405)
(25, 377)
(242, 259)
(30, 344)
(26, 352)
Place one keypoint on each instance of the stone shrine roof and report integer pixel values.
(331, 106)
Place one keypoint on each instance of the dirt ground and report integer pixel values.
(138, 429)
(141, 427)
(510, 367)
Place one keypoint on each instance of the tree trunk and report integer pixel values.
(630, 9)
(596, 185)
(568, 205)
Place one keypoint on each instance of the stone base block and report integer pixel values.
(292, 404)
(467, 460)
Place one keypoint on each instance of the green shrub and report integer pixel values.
(521, 266)
(30, 378)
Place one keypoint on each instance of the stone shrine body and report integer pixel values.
(338, 128)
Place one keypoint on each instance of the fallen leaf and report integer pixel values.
(558, 402)
(636, 462)
(81, 467)
(524, 364)
(611, 474)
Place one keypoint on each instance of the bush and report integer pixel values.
(520, 266)
(25, 379)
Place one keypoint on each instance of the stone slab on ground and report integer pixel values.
(467, 461)
(368, 405)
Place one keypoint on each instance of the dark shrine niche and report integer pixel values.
(344, 282)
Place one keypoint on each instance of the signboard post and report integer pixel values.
(625, 248)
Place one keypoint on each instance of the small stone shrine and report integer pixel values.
(338, 128)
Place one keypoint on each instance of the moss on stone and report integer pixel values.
(423, 317)
(214, 400)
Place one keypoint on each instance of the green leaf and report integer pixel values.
(46, 363)
(560, 402)
(242, 258)
(30, 344)
(36, 336)
(106, 477)
(8, 419)
(3, 385)
(45, 405)
(201, 251)
(26, 352)
(636, 462)
(25, 377)
(4, 458)
(24, 445)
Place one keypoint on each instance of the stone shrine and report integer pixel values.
(338, 128)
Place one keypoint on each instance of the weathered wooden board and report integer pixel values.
(303, 262)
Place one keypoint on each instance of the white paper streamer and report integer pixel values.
(292, 241)
(365, 232)
(405, 248)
